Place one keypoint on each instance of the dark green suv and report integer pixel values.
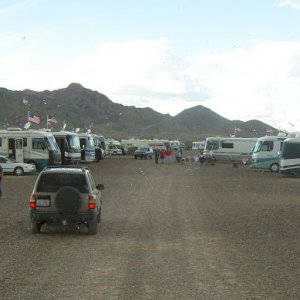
(65, 195)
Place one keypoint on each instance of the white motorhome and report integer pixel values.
(290, 157)
(30, 146)
(88, 146)
(155, 143)
(198, 145)
(229, 148)
(69, 145)
(266, 152)
(99, 140)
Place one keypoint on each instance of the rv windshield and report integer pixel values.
(51, 143)
(90, 142)
(257, 147)
(74, 143)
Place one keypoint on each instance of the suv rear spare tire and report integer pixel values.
(68, 200)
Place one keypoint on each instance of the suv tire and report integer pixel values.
(92, 227)
(35, 227)
(68, 200)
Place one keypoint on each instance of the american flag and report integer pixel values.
(33, 118)
(51, 119)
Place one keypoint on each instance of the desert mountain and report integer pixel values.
(83, 108)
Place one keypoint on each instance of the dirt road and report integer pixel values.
(168, 231)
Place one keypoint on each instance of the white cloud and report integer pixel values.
(289, 3)
(143, 72)
(258, 83)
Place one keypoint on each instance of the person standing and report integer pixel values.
(156, 155)
(162, 155)
(178, 155)
(1, 177)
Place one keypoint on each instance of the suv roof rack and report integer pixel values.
(65, 167)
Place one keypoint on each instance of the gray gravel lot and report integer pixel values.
(168, 231)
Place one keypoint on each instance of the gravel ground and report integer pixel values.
(168, 231)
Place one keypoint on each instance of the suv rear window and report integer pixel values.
(51, 183)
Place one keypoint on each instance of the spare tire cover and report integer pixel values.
(68, 200)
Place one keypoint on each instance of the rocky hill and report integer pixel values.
(82, 108)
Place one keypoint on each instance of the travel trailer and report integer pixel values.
(87, 146)
(229, 148)
(30, 146)
(290, 157)
(69, 145)
(266, 153)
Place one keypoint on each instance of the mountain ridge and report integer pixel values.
(83, 108)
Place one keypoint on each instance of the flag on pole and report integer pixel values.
(33, 118)
(51, 119)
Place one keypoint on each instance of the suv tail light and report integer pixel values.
(32, 203)
(92, 203)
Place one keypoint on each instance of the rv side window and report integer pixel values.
(227, 145)
(267, 146)
(24, 142)
(291, 150)
(38, 144)
(0, 142)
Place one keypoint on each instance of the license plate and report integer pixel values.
(42, 202)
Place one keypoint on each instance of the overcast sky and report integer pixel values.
(240, 58)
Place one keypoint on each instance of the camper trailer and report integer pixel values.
(266, 153)
(229, 148)
(87, 146)
(30, 146)
(69, 145)
(290, 157)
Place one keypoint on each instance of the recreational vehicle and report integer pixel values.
(229, 148)
(99, 140)
(198, 145)
(30, 146)
(69, 145)
(88, 146)
(290, 157)
(266, 152)
(155, 143)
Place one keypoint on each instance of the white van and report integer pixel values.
(30, 146)
(266, 153)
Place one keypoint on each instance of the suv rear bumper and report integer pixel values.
(41, 217)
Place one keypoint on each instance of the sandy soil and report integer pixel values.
(168, 231)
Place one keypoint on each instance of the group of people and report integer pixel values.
(162, 154)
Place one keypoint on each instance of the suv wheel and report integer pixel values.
(68, 200)
(92, 226)
(99, 216)
(35, 227)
